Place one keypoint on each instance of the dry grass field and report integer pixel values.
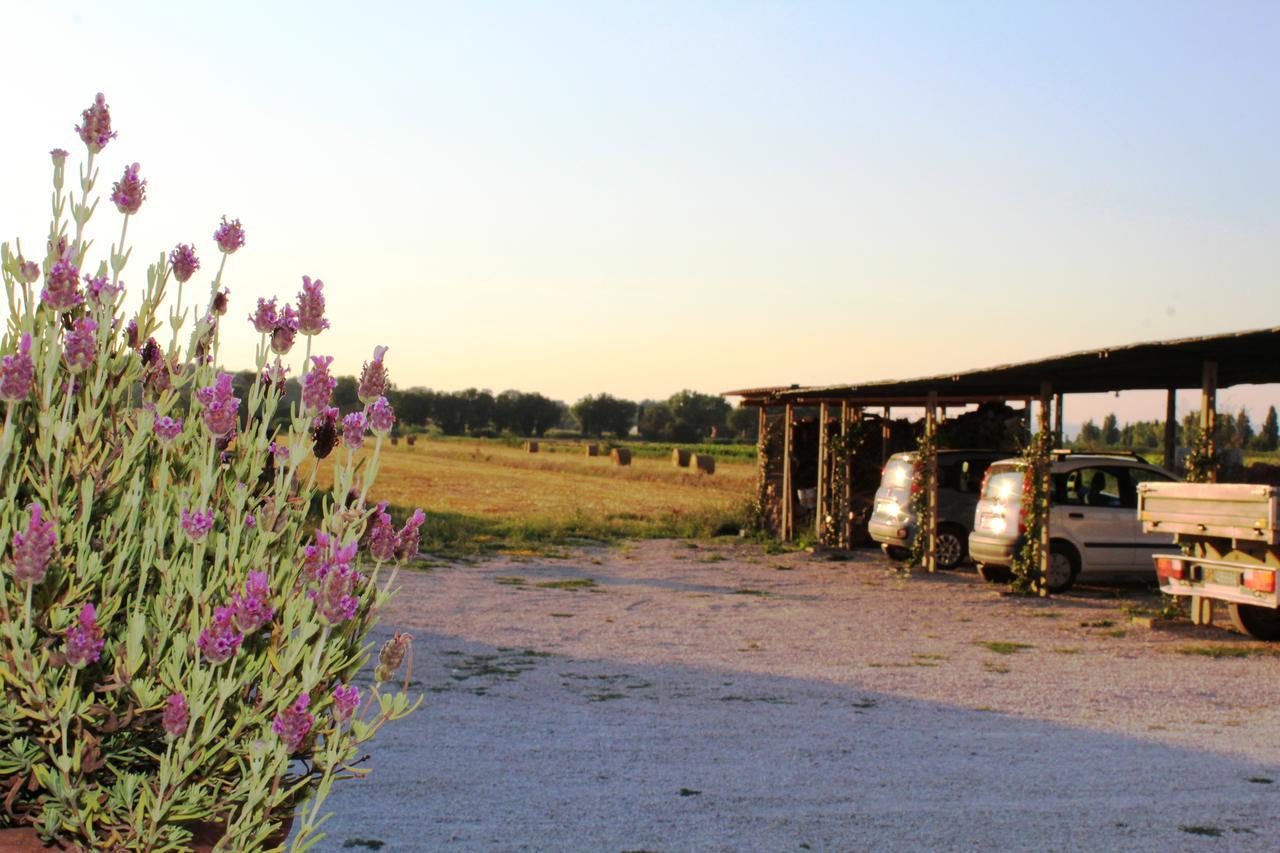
(486, 496)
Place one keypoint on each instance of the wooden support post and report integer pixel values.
(1209, 410)
(1057, 422)
(788, 499)
(820, 505)
(844, 532)
(931, 483)
(884, 438)
(1171, 430)
(1046, 394)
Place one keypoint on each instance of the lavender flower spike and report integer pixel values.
(251, 611)
(324, 432)
(96, 130)
(407, 540)
(381, 417)
(319, 384)
(62, 286)
(353, 427)
(346, 698)
(220, 641)
(184, 262)
(197, 524)
(311, 319)
(84, 639)
(128, 193)
(176, 717)
(33, 550)
(285, 331)
(80, 345)
(229, 236)
(167, 428)
(265, 318)
(293, 723)
(382, 535)
(221, 406)
(17, 372)
(373, 379)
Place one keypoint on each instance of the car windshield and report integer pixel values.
(897, 474)
(1003, 484)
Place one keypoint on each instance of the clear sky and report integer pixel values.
(572, 198)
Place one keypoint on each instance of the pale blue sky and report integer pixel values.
(642, 197)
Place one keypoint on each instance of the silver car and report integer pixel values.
(892, 522)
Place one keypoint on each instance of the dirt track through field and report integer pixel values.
(664, 696)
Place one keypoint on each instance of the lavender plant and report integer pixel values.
(180, 641)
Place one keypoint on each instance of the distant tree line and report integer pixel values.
(1231, 431)
(686, 416)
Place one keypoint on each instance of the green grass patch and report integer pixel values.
(509, 580)
(1002, 647)
(1226, 651)
(571, 585)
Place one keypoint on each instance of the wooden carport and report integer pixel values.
(1211, 362)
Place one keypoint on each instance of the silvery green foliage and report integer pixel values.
(118, 728)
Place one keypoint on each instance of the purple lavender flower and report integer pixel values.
(28, 271)
(59, 157)
(220, 640)
(277, 375)
(229, 236)
(197, 524)
(353, 427)
(311, 319)
(84, 639)
(381, 416)
(95, 132)
(280, 452)
(407, 540)
(184, 262)
(101, 291)
(249, 521)
(264, 319)
(286, 329)
(373, 379)
(293, 723)
(80, 347)
(318, 385)
(346, 698)
(251, 611)
(167, 428)
(220, 405)
(17, 372)
(62, 286)
(176, 716)
(336, 598)
(325, 555)
(131, 333)
(391, 655)
(33, 549)
(218, 306)
(128, 193)
(324, 432)
(382, 535)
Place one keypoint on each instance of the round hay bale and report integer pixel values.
(395, 439)
(591, 449)
(412, 440)
(620, 456)
(704, 463)
(531, 447)
(680, 457)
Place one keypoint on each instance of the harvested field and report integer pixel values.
(707, 695)
(485, 495)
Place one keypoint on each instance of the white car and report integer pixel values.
(1094, 529)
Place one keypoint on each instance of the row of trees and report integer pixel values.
(1232, 431)
(685, 416)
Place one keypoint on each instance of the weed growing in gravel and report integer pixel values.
(1001, 647)
(1227, 651)
(1211, 831)
(571, 585)
(1097, 623)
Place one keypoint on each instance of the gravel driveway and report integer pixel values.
(672, 696)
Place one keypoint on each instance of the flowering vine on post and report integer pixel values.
(1030, 558)
(921, 484)
(182, 651)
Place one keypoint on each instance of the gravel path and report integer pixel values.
(712, 697)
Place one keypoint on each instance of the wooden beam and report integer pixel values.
(819, 507)
(1171, 430)
(788, 499)
(1209, 410)
(845, 533)
(1057, 422)
(931, 483)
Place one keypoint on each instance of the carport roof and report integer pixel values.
(1250, 357)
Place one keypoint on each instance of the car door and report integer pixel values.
(1146, 544)
(1091, 513)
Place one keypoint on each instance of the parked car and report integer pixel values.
(892, 522)
(1094, 528)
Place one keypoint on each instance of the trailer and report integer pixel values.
(1230, 539)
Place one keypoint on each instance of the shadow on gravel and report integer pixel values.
(519, 749)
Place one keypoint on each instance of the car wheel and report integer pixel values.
(1064, 566)
(950, 546)
(994, 574)
(1261, 623)
(893, 552)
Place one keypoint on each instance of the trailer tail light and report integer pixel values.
(1260, 580)
(1174, 569)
